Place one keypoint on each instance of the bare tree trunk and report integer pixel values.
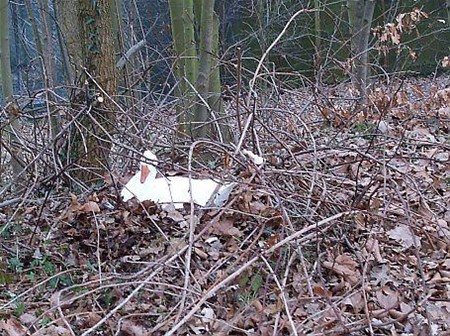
(360, 14)
(117, 15)
(87, 29)
(48, 64)
(202, 114)
(202, 73)
(67, 14)
(176, 18)
(7, 91)
(317, 32)
(17, 49)
(215, 88)
(448, 12)
(91, 148)
(183, 34)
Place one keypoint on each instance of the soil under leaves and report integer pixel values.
(343, 231)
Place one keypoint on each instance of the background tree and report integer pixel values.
(88, 31)
(360, 15)
(44, 41)
(196, 68)
(7, 90)
(67, 13)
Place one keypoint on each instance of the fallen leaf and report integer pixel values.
(225, 227)
(53, 331)
(27, 318)
(380, 275)
(373, 247)
(355, 301)
(321, 291)
(130, 328)
(404, 236)
(12, 327)
(208, 315)
(344, 265)
(387, 298)
(90, 206)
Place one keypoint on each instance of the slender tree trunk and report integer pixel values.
(202, 114)
(317, 32)
(7, 91)
(176, 18)
(197, 75)
(360, 14)
(48, 64)
(64, 56)
(448, 12)
(191, 63)
(186, 64)
(215, 88)
(117, 15)
(17, 49)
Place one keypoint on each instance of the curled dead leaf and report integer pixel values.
(89, 206)
(345, 266)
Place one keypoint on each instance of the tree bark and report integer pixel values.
(448, 12)
(91, 143)
(67, 14)
(197, 75)
(177, 25)
(215, 88)
(360, 14)
(186, 64)
(7, 91)
(317, 33)
(202, 114)
(48, 64)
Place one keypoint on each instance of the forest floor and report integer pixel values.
(344, 230)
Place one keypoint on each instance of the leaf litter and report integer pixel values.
(340, 227)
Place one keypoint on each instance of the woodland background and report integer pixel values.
(343, 230)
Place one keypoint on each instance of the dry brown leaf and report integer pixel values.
(380, 275)
(387, 298)
(321, 291)
(225, 227)
(12, 327)
(27, 318)
(74, 204)
(373, 247)
(89, 206)
(57, 300)
(356, 301)
(404, 236)
(443, 96)
(130, 328)
(53, 331)
(425, 210)
(173, 213)
(344, 265)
